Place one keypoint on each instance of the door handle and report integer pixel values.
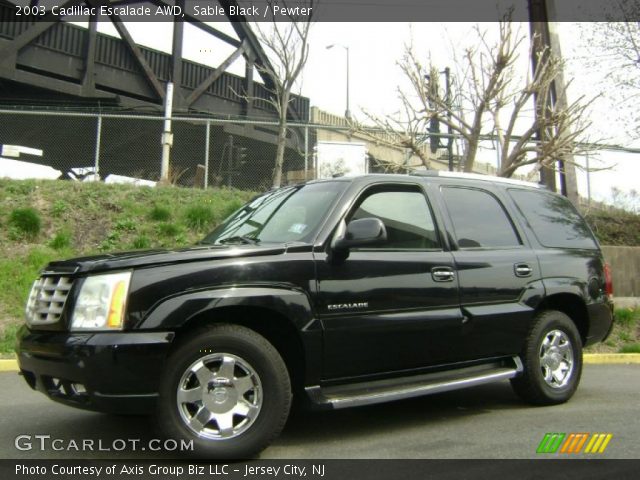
(522, 270)
(443, 274)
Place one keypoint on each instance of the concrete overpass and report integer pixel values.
(382, 155)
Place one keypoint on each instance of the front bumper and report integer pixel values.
(115, 372)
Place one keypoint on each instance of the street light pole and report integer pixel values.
(347, 112)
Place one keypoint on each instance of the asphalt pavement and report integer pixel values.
(485, 422)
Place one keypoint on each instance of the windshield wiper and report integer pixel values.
(239, 239)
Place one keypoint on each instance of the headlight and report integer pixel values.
(101, 302)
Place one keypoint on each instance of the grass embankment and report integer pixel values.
(625, 337)
(42, 221)
(615, 226)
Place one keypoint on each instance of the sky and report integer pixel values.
(374, 50)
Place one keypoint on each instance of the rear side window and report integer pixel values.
(554, 220)
(479, 219)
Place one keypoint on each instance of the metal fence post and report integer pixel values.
(588, 180)
(206, 154)
(306, 151)
(98, 144)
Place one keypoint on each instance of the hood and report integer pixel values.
(144, 258)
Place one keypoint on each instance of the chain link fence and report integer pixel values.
(209, 152)
(204, 153)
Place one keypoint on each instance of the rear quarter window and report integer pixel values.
(554, 220)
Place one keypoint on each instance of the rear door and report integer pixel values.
(498, 272)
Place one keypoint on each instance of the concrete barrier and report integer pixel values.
(625, 267)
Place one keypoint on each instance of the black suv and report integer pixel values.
(348, 292)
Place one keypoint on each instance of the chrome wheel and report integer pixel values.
(556, 358)
(219, 396)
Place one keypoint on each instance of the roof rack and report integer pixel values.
(474, 176)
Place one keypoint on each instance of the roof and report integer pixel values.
(476, 176)
(437, 173)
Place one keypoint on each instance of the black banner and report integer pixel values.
(324, 10)
(320, 469)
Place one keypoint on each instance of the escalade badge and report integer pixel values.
(347, 306)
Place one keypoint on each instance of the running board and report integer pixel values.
(367, 393)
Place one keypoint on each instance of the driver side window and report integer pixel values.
(406, 217)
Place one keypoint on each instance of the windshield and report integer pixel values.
(289, 214)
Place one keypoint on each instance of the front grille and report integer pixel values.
(46, 300)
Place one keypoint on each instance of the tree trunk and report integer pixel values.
(282, 140)
(470, 160)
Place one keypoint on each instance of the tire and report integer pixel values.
(552, 360)
(227, 389)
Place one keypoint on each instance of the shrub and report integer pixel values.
(59, 208)
(126, 225)
(626, 316)
(198, 217)
(141, 241)
(630, 348)
(110, 242)
(159, 214)
(168, 229)
(26, 221)
(61, 240)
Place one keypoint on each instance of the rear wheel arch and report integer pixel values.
(573, 306)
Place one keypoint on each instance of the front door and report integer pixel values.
(393, 306)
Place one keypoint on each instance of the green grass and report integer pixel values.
(17, 275)
(77, 219)
(61, 240)
(59, 208)
(169, 229)
(231, 207)
(630, 348)
(625, 336)
(159, 214)
(8, 339)
(626, 316)
(199, 217)
(141, 242)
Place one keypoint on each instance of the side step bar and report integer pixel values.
(367, 393)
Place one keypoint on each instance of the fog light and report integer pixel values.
(78, 389)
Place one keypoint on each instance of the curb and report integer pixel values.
(11, 365)
(8, 365)
(610, 358)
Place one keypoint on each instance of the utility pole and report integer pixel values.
(448, 100)
(545, 41)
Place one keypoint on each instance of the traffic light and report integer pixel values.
(240, 156)
(434, 134)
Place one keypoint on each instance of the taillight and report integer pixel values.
(608, 281)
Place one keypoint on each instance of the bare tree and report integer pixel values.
(286, 44)
(613, 60)
(492, 100)
(405, 129)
